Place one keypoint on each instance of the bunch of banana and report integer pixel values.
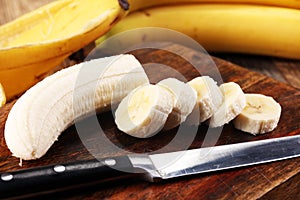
(224, 27)
(32, 46)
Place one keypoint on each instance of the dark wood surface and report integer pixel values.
(278, 180)
(245, 183)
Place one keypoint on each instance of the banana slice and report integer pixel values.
(261, 114)
(44, 111)
(2, 96)
(144, 111)
(233, 104)
(185, 101)
(209, 97)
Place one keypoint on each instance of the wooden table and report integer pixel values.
(283, 70)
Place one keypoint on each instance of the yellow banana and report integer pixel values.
(238, 28)
(32, 45)
(37, 42)
(141, 4)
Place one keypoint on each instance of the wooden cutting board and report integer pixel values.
(243, 183)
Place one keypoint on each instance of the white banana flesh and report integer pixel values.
(185, 101)
(144, 111)
(261, 114)
(209, 97)
(233, 104)
(48, 108)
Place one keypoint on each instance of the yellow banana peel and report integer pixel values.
(37, 42)
(141, 4)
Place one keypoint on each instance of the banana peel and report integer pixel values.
(39, 41)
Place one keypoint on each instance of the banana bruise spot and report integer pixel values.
(124, 4)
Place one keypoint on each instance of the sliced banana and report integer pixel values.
(233, 104)
(2, 96)
(185, 101)
(44, 111)
(261, 114)
(144, 111)
(209, 97)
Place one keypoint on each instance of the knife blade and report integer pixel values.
(47, 179)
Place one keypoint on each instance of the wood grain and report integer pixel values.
(244, 183)
(283, 70)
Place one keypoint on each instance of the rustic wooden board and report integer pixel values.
(244, 183)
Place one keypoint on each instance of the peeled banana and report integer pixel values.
(144, 111)
(45, 110)
(233, 104)
(185, 101)
(260, 115)
(242, 28)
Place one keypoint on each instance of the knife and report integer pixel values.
(47, 179)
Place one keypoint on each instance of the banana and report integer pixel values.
(233, 104)
(142, 4)
(261, 114)
(39, 41)
(2, 96)
(209, 97)
(144, 111)
(46, 109)
(223, 27)
(185, 101)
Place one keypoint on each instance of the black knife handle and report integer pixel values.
(52, 178)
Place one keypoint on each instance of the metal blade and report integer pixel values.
(181, 163)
